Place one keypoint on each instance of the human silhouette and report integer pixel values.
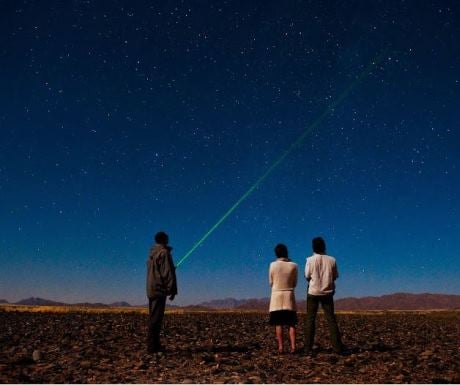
(283, 280)
(321, 273)
(161, 282)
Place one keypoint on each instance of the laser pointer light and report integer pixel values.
(283, 156)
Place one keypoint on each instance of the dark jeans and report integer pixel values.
(327, 303)
(156, 314)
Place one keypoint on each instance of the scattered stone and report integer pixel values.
(427, 353)
(86, 364)
(37, 355)
(255, 380)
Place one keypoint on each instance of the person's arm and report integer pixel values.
(335, 271)
(295, 275)
(270, 275)
(168, 273)
(307, 271)
(173, 278)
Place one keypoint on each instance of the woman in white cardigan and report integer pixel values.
(283, 310)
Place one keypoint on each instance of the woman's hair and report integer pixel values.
(161, 238)
(319, 246)
(281, 251)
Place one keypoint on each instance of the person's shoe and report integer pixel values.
(155, 349)
(309, 352)
(343, 351)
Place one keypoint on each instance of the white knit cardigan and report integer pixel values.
(283, 280)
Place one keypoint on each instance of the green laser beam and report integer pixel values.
(280, 159)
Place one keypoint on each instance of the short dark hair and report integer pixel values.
(161, 238)
(281, 251)
(319, 246)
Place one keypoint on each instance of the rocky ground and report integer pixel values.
(83, 347)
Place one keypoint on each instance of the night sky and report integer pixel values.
(119, 119)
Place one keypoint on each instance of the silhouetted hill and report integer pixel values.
(400, 301)
(36, 301)
(120, 304)
(397, 301)
(255, 303)
(226, 303)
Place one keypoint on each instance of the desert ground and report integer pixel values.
(79, 346)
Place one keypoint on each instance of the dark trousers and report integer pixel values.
(156, 313)
(327, 303)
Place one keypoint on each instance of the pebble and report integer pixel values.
(85, 364)
(427, 353)
(37, 355)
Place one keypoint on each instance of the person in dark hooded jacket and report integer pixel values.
(161, 282)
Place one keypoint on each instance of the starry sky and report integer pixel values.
(119, 119)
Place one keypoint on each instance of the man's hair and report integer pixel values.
(281, 251)
(161, 238)
(319, 246)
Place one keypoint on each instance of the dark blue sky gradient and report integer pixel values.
(119, 119)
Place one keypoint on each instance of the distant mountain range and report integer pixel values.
(37, 301)
(401, 301)
(397, 301)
